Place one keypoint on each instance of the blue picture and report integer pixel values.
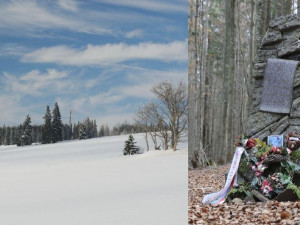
(275, 140)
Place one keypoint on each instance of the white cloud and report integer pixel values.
(113, 119)
(105, 98)
(29, 16)
(134, 34)
(12, 49)
(108, 106)
(154, 5)
(109, 53)
(35, 83)
(69, 5)
(10, 109)
(140, 84)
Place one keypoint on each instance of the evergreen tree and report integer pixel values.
(4, 135)
(95, 130)
(47, 127)
(83, 132)
(101, 131)
(106, 130)
(67, 132)
(75, 131)
(26, 138)
(57, 124)
(130, 147)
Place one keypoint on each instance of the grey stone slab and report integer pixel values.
(278, 86)
(295, 111)
(295, 114)
(295, 122)
(292, 129)
(256, 99)
(262, 135)
(270, 47)
(271, 37)
(284, 23)
(280, 125)
(263, 55)
(286, 195)
(259, 196)
(260, 121)
(292, 22)
(296, 92)
(277, 22)
(259, 70)
(297, 77)
(291, 35)
(258, 83)
(287, 50)
(281, 128)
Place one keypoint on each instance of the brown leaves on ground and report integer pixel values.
(212, 179)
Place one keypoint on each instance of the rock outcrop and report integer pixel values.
(282, 40)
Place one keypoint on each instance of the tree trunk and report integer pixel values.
(286, 7)
(251, 44)
(196, 154)
(228, 78)
(146, 139)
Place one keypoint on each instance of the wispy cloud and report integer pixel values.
(12, 49)
(29, 16)
(70, 5)
(35, 83)
(154, 5)
(135, 34)
(109, 53)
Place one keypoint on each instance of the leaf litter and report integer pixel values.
(212, 179)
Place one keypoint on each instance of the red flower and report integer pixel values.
(275, 149)
(266, 187)
(257, 173)
(250, 144)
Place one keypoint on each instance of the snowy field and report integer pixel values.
(90, 182)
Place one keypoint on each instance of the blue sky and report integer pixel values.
(98, 58)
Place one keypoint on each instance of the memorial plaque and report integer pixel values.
(275, 140)
(278, 86)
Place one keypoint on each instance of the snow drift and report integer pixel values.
(90, 182)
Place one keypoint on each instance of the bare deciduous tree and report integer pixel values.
(152, 123)
(172, 108)
(166, 116)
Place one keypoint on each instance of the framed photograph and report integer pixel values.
(275, 140)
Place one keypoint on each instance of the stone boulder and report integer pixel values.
(282, 40)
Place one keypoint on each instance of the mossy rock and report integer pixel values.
(295, 156)
(245, 170)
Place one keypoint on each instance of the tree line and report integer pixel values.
(54, 130)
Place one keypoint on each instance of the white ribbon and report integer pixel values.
(213, 198)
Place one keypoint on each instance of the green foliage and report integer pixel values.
(47, 127)
(259, 143)
(295, 155)
(294, 188)
(285, 179)
(294, 167)
(264, 149)
(241, 191)
(254, 182)
(26, 138)
(130, 147)
(57, 125)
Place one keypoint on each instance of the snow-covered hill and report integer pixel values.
(90, 182)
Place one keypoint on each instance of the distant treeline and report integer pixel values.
(54, 130)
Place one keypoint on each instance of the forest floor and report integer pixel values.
(211, 179)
